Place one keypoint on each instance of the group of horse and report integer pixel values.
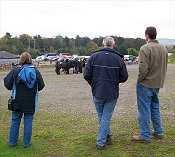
(65, 66)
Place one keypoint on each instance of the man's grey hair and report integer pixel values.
(108, 41)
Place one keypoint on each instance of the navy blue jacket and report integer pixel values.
(25, 97)
(104, 71)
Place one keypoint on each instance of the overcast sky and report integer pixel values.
(92, 18)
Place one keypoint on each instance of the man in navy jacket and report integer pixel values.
(104, 71)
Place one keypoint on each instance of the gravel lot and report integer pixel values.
(71, 94)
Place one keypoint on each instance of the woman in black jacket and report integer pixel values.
(25, 81)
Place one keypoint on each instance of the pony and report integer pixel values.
(64, 66)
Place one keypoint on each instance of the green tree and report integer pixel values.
(18, 47)
(116, 48)
(47, 43)
(133, 52)
(82, 51)
(58, 42)
(119, 40)
(128, 42)
(66, 40)
(172, 58)
(77, 41)
(122, 49)
(138, 42)
(92, 47)
(39, 44)
(79, 45)
(6, 43)
(25, 40)
(98, 41)
(71, 44)
(84, 41)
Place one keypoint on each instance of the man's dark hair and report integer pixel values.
(151, 31)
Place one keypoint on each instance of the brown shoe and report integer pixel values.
(139, 139)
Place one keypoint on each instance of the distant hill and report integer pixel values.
(166, 41)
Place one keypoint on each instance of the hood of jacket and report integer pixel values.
(27, 75)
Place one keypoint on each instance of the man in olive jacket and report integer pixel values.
(153, 59)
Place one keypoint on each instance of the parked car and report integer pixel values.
(40, 58)
(50, 56)
(128, 57)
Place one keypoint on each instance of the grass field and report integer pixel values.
(66, 124)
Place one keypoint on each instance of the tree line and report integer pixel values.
(38, 45)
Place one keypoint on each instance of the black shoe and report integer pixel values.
(27, 146)
(10, 145)
(100, 147)
(109, 140)
(157, 136)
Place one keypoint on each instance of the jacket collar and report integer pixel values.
(112, 51)
(153, 41)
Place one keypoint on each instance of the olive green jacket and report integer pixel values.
(153, 59)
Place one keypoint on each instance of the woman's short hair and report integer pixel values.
(25, 58)
(151, 31)
(108, 41)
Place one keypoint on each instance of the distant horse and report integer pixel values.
(64, 66)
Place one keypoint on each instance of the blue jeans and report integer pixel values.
(105, 109)
(148, 110)
(15, 125)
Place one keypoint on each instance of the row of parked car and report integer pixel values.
(56, 57)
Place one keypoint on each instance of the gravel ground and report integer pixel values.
(72, 94)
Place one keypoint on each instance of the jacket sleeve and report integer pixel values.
(143, 65)
(9, 79)
(40, 81)
(123, 73)
(87, 74)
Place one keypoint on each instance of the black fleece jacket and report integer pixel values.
(104, 71)
(25, 97)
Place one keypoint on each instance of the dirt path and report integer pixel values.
(71, 94)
